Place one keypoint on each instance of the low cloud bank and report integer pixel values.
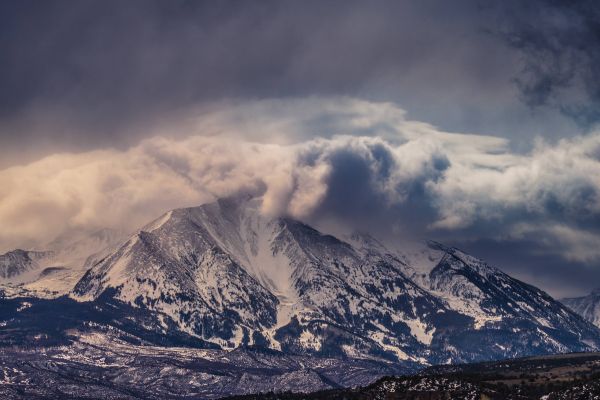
(350, 162)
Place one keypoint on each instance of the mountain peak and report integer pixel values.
(226, 275)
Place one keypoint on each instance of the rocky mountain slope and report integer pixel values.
(587, 306)
(102, 366)
(109, 360)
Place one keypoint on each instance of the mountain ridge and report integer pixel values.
(225, 275)
(587, 306)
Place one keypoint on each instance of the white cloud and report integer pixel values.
(290, 151)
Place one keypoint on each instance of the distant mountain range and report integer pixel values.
(586, 306)
(55, 271)
(223, 276)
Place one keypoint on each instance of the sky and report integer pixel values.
(471, 123)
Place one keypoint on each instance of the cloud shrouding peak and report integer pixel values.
(349, 162)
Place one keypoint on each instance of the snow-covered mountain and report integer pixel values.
(55, 271)
(20, 266)
(227, 276)
(587, 306)
(223, 275)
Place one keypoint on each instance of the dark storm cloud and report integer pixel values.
(560, 44)
(91, 74)
(365, 193)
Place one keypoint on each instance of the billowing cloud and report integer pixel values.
(550, 197)
(367, 167)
